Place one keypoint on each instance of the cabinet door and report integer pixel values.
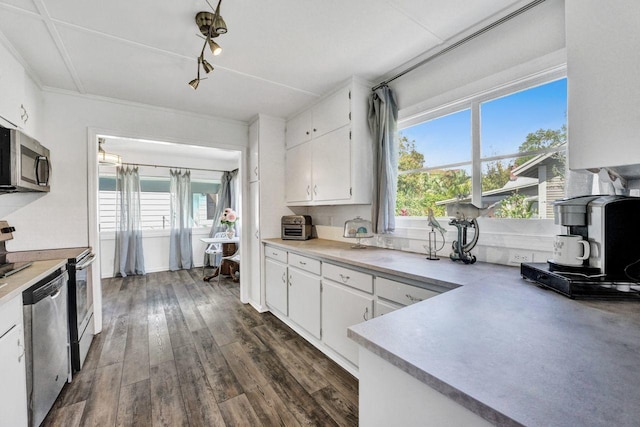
(304, 300)
(332, 113)
(331, 166)
(254, 240)
(602, 50)
(341, 308)
(11, 88)
(298, 177)
(385, 307)
(13, 395)
(276, 285)
(299, 129)
(254, 153)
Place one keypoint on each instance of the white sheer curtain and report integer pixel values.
(180, 247)
(129, 258)
(227, 198)
(383, 119)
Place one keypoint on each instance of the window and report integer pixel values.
(155, 202)
(504, 151)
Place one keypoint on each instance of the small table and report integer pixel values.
(224, 241)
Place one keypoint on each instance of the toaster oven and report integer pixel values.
(296, 227)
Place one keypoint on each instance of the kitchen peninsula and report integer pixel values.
(492, 344)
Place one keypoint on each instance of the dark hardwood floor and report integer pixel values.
(178, 351)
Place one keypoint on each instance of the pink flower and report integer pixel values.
(231, 216)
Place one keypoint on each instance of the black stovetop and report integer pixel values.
(581, 286)
(10, 268)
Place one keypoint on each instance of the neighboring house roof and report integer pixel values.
(528, 168)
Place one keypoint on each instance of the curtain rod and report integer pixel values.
(173, 167)
(461, 42)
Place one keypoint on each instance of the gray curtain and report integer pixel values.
(129, 258)
(227, 198)
(180, 246)
(383, 119)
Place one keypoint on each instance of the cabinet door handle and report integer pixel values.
(344, 278)
(284, 277)
(315, 130)
(22, 349)
(302, 263)
(290, 282)
(307, 132)
(412, 298)
(257, 235)
(315, 190)
(255, 171)
(308, 190)
(365, 315)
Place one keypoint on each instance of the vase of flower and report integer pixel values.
(228, 219)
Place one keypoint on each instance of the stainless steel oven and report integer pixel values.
(80, 307)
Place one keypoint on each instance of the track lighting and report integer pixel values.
(210, 25)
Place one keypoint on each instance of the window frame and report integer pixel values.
(472, 103)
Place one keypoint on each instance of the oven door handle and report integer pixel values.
(87, 262)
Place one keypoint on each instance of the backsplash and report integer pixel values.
(500, 241)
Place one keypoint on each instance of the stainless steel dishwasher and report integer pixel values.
(46, 330)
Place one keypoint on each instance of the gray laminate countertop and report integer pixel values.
(504, 348)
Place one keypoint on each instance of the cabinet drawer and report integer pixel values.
(384, 307)
(401, 292)
(309, 264)
(275, 253)
(10, 314)
(352, 278)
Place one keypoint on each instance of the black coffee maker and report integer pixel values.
(611, 225)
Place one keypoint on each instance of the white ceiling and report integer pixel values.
(279, 55)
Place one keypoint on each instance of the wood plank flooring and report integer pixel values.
(178, 351)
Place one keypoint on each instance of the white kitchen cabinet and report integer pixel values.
(266, 202)
(13, 394)
(254, 152)
(343, 307)
(304, 300)
(11, 87)
(385, 307)
(329, 114)
(298, 180)
(401, 293)
(254, 237)
(602, 40)
(276, 285)
(333, 167)
(299, 129)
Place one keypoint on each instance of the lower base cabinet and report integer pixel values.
(276, 285)
(13, 394)
(341, 308)
(304, 300)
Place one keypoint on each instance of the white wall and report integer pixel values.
(60, 219)
(155, 245)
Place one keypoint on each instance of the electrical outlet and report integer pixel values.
(517, 257)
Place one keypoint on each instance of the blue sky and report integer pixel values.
(505, 124)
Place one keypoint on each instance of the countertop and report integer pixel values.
(511, 352)
(15, 284)
(45, 254)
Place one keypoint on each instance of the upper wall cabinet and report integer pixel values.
(329, 153)
(331, 113)
(11, 88)
(602, 62)
(254, 152)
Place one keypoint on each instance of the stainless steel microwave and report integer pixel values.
(24, 163)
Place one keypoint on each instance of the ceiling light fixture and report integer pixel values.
(211, 25)
(107, 159)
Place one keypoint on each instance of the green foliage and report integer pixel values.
(514, 206)
(496, 175)
(419, 191)
(539, 140)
